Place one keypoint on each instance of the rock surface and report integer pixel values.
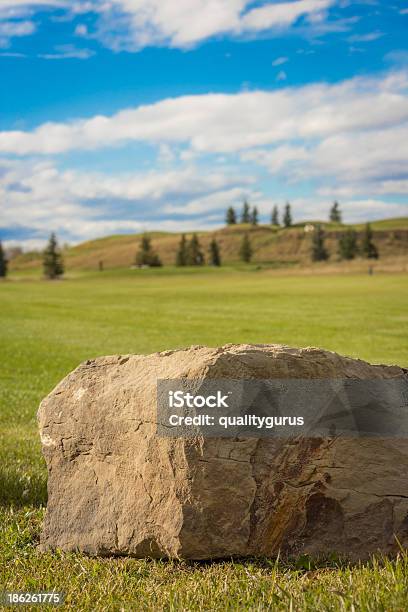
(115, 488)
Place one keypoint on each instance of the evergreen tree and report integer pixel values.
(181, 257)
(215, 257)
(231, 217)
(335, 213)
(52, 259)
(368, 247)
(3, 262)
(254, 216)
(275, 216)
(195, 256)
(319, 251)
(246, 213)
(245, 251)
(287, 217)
(348, 244)
(145, 255)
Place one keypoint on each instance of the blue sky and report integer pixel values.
(130, 115)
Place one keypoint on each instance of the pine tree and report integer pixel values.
(246, 213)
(145, 255)
(348, 244)
(3, 262)
(245, 251)
(319, 251)
(368, 247)
(231, 216)
(275, 216)
(195, 256)
(52, 259)
(214, 250)
(254, 216)
(287, 217)
(335, 213)
(181, 257)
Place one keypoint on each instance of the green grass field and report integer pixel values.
(47, 328)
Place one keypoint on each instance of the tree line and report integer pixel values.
(250, 215)
(191, 253)
(348, 246)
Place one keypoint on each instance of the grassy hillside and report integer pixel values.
(272, 245)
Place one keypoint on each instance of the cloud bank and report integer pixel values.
(351, 133)
(135, 24)
(188, 22)
(231, 122)
(347, 140)
(81, 205)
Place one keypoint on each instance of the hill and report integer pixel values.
(271, 244)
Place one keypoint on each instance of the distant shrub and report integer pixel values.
(319, 251)
(245, 251)
(146, 256)
(3, 263)
(52, 259)
(214, 253)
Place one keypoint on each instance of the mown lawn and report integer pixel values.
(47, 328)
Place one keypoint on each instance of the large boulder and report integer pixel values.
(115, 487)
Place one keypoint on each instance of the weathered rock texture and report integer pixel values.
(115, 488)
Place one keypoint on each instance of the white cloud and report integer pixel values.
(37, 196)
(12, 29)
(354, 210)
(219, 200)
(29, 3)
(277, 159)
(166, 154)
(349, 138)
(379, 188)
(9, 54)
(370, 37)
(140, 23)
(134, 24)
(281, 13)
(364, 156)
(18, 8)
(368, 209)
(68, 52)
(316, 207)
(372, 162)
(81, 30)
(280, 61)
(231, 122)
